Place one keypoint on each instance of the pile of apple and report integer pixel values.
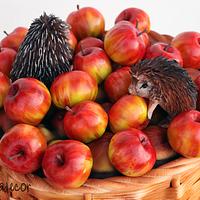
(87, 121)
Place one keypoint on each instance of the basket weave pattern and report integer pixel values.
(176, 180)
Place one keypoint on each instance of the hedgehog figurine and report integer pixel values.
(45, 52)
(164, 83)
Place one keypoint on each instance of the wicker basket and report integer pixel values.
(176, 180)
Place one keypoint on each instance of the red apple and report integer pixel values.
(86, 22)
(165, 50)
(15, 38)
(99, 149)
(67, 164)
(71, 40)
(89, 42)
(184, 133)
(131, 153)
(28, 101)
(188, 43)
(86, 121)
(193, 73)
(94, 61)
(5, 122)
(73, 87)
(124, 44)
(158, 138)
(128, 112)
(22, 148)
(7, 57)
(4, 87)
(117, 83)
(136, 16)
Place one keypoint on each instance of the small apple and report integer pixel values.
(117, 83)
(73, 87)
(136, 16)
(22, 148)
(128, 112)
(131, 153)
(89, 42)
(85, 121)
(124, 44)
(184, 133)
(28, 101)
(4, 87)
(72, 41)
(94, 61)
(67, 164)
(15, 38)
(158, 138)
(165, 50)
(86, 22)
(7, 57)
(99, 149)
(188, 43)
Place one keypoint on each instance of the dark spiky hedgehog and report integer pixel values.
(164, 83)
(45, 52)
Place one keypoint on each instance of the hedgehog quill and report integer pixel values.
(164, 83)
(45, 52)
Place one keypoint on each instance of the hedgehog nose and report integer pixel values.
(132, 90)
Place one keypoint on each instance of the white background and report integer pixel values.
(167, 16)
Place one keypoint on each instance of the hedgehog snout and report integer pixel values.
(132, 90)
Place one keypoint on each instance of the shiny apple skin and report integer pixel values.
(131, 153)
(72, 41)
(89, 42)
(73, 87)
(137, 17)
(95, 62)
(164, 50)
(117, 83)
(128, 112)
(7, 57)
(29, 140)
(188, 43)
(184, 133)
(124, 44)
(86, 22)
(28, 101)
(4, 88)
(76, 166)
(85, 122)
(15, 38)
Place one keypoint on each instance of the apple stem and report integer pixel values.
(16, 155)
(136, 24)
(69, 109)
(6, 33)
(144, 31)
(60, 159)
(78, 7)
(166, 47)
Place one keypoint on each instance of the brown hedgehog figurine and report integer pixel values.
(164, 83)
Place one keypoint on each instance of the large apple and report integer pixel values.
(14, 39)
(99, 149)
(67, 164)
(117, 83)
(136, 16)
(7, 57)
(89, 42)
(184, 133)
(124, 44)
(94, 61)
(131, 152)
(73, 87)
(165, 50)
(128, 112)
(4, 87)
(22, 148)
(86, 121)
(28, 101)
(188, 43)
(86, 22)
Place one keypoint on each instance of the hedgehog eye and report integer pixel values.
(144, 85)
